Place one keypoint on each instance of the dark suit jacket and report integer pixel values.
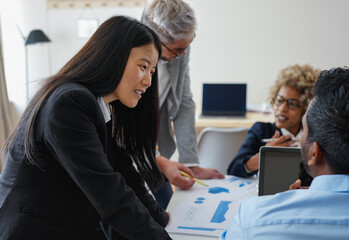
(250, 147)
(80, 182)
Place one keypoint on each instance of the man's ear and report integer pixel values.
(315, 153)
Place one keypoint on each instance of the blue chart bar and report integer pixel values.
(197, 228)
(221, 210)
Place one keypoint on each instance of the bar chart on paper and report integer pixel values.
(208, 211)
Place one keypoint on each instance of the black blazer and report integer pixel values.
(250, 147)
(82, 180)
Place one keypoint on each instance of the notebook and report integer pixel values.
(224, 99)
(278, 169)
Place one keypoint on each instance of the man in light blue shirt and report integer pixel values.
(322, 211)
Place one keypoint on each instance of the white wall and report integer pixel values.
(237, 40)
(251, 40)
(27, 15)
(64, 29)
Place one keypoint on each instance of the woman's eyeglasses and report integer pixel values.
(292, 104)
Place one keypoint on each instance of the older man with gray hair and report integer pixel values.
(175, 23)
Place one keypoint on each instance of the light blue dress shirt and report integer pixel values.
(321, 212)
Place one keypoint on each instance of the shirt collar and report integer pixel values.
(284, 132)
(333, 183)
(105, 109)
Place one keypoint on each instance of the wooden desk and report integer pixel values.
(231, 122)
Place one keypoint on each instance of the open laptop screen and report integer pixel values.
(226, 99)
(278, 169)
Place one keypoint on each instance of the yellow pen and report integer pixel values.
(195, 179)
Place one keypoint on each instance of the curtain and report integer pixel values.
(8, 114)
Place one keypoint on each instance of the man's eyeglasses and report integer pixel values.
(292, 104)
(177, 52)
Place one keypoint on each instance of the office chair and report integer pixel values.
(218, 146)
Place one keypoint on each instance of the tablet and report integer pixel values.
(278, 169)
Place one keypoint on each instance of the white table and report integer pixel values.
(176, 199)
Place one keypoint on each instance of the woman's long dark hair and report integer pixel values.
(99, 66)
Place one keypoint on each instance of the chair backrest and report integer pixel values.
(218, 146)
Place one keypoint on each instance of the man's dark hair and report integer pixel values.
(328, 118)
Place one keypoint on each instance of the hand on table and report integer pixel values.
(206, 173)
(170, 169)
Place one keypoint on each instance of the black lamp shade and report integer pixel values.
(36, 36)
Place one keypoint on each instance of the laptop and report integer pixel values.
(278, 169)
(224, 99)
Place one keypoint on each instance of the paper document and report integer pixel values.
(208, 211)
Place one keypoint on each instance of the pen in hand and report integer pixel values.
(266, 140)
(195, 179)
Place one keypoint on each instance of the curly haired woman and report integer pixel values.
(290, 96)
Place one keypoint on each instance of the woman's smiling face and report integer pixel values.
(285, 117)
(137, 77)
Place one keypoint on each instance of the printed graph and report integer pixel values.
(208, 211)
